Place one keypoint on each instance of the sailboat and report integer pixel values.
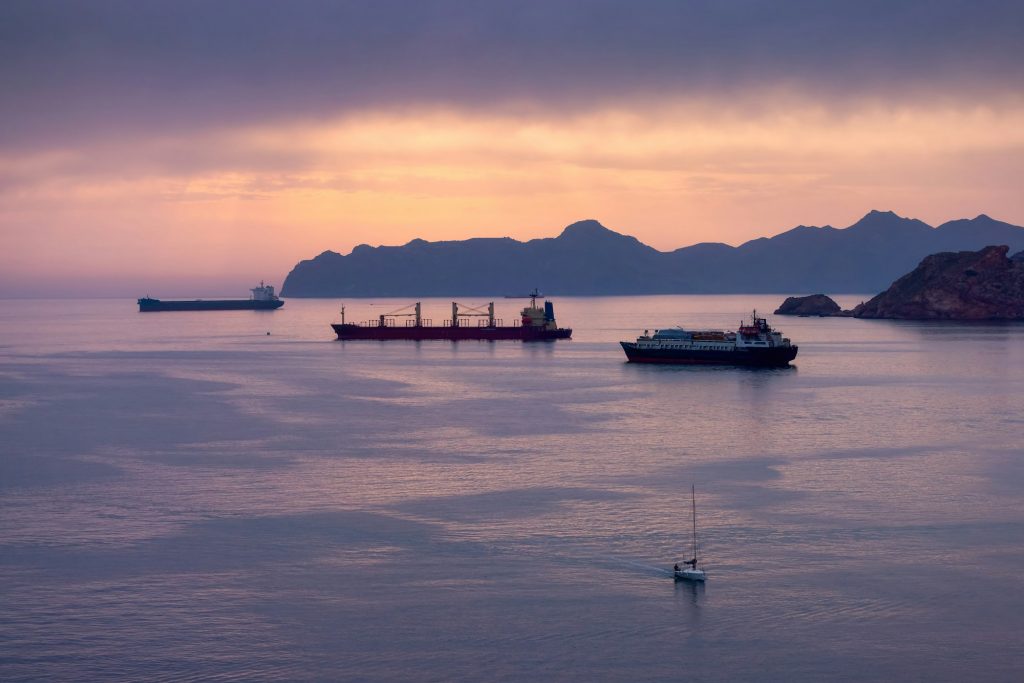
(690, 572)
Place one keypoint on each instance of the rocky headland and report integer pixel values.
(963, 285)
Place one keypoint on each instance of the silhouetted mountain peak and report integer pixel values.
(980, 219)
(327, 255)
(587, 229)
(980, 223)
(590, 234)
(876, 220)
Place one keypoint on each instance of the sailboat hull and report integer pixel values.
(690, 575)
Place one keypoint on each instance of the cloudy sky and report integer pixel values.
(190, 148)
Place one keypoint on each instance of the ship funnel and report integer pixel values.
(549, 311)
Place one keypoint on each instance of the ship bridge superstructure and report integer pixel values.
(263, 293)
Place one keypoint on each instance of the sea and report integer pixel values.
(238, 496)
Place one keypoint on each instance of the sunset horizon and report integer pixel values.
(152, 143)
(236, 279)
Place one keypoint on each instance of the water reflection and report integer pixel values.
(692, 591)
(684, 368)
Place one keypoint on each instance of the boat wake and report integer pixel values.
(641, 565)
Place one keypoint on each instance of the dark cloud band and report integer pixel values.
(70, 69)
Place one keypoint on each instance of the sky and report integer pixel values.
(195, 147)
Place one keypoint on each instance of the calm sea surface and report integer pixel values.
(183, 496)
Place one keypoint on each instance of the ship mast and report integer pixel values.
(693, 497)
(532, 296)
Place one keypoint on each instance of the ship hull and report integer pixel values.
(770, 357)
(156, 305)
(523, 333)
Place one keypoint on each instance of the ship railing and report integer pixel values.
(487, 323)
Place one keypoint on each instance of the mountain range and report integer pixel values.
(589, 259)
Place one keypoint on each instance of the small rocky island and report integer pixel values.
(815, 304)
(962, 285)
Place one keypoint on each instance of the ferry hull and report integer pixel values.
(156, 305)
(522, 333)
(770, 357)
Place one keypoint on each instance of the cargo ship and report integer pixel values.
(262, 299)
(535, 324)
(756, 344)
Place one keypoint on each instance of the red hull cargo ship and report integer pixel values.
(536, 324)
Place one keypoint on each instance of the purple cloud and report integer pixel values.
(72, 70)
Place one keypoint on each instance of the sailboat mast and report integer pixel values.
(693, 497)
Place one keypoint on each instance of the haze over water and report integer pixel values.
(183, 496)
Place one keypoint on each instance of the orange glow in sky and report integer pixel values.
(212, 211)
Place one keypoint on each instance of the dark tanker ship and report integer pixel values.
(262, 299)
(536, 324)
(754, 344)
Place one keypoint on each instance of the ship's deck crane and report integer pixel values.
(397, 313)
(476, 312)
(387, 319)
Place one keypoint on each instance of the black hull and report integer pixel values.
(769, 358)
(156, 305)
(354, 332)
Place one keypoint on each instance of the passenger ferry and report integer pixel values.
(752, 344)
